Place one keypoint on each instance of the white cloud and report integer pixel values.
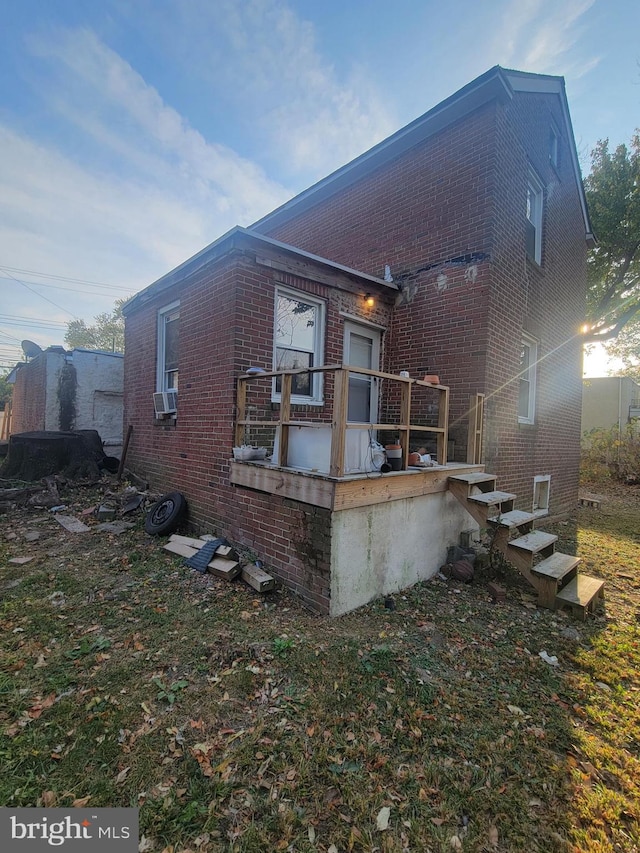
(310, 117)
(542, 36)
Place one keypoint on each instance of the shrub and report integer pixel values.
(611, 453)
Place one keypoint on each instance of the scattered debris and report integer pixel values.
(552, 660)
(497, 593)
(20, 561)
(73, 525)
(106, 512)
(258, 578)
(115, 526)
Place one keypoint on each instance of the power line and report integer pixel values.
(35, 293)
(65, 278)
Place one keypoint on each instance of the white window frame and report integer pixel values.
(316, 379)
(529, 375)
(163, 315)
(535, 213)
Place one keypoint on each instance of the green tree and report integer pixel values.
(107, 332)
(5, 390)
(626, 347)
(613, 196)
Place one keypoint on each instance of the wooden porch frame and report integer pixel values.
(339, 424)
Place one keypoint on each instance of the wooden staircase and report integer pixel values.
(552, 574)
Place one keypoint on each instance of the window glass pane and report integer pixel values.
(523, 401)
(289, 359)
(171, 342)
(360, 349)
(295, 323)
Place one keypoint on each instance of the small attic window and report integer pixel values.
(554, 146)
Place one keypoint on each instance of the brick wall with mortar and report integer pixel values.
(226, 325)
(29, 397)
(448, 216)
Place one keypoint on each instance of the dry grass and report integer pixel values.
(240, 723)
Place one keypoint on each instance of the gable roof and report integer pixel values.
(232, 239)
(496, 84)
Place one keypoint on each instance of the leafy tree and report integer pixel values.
(613, 196)
(107, 333)
(5, 390)
(626, 347)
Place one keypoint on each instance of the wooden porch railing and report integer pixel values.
(339, 423)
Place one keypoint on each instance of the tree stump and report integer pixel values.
(34, 455)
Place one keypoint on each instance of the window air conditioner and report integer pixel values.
(165, 402)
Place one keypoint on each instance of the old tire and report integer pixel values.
(166, 514)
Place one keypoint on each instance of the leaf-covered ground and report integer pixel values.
(244, 723)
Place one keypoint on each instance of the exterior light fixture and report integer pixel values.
(369, 301)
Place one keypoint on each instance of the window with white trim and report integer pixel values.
(168, 347)
(535, 203)
(298, 340)
(527, 381)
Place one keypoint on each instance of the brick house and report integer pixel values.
(456, 247)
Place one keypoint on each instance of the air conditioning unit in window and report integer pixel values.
(165, 402)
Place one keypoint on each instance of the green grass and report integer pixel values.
(236, 727)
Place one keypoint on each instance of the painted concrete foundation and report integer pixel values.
(381, 549)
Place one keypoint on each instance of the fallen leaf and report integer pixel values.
(515, 710)
(81, 802)
(146, 844)
(40, 662)
(493, 836)
(382, 820)
(48, 798)
(455, 843)
(122, 775)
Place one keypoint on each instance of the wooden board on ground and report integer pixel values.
(223, 568)
(258, 578)
(222, 551)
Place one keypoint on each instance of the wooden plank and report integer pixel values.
(241, 412)
(285, 416)
(443, 424)
(534, 542)
(368, 491)
(227, 569)
(405, 419)
(222, 551)
(307, 488)
(556, 566)
(492, 498)
(180, 548)
(581, 590)
(339, 420)
(258, 578)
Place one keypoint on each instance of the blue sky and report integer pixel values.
(132, 134)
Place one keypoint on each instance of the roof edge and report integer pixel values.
(213, 251)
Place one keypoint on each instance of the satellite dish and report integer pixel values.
(30, 349)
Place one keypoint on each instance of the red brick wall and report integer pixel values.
(29, 396)
(449, 217)
(226, 326)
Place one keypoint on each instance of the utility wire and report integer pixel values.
(65, 278)
(35, 293)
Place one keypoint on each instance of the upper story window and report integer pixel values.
(168, 341)
(535, 202)
(298, 340)
(527, 376)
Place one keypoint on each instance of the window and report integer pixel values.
(298, 338)
(527, 379)
(168, 340)
(541, 492)
(535, 198)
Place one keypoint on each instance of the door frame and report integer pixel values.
(352, 325)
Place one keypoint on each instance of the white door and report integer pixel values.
(362, 349)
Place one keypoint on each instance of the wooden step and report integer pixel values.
(556, 566)
(533, 542)
(581, 594)
(474, 479)
(515, 518)
(492, 498)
